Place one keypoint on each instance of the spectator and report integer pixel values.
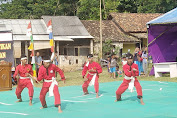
(112, 66)
(56, 59)
(108, 63)
(140, 64)
(124, 61)
(118, 72)
(38, 60)
(135, 55)
(145, 62)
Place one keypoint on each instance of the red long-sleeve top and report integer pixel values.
(51, 72)
(22, 70)
(94, 66)
(128, 70)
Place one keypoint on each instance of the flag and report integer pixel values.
(49, 27)
(29, 30)
(51, 42)
(49, 30)
(31, 48)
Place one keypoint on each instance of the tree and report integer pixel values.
(155, 6)
(36, 8)
(110, 6)
(88, 9)
(127, 6)
(107, 47)
(67, 7)
(27, 8)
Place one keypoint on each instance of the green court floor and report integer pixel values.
(160, 102)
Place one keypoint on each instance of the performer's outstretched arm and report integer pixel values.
(98, 69)
(84, 71)
(16, 72)
(40, 74)
(60, 72)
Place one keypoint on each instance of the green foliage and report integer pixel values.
(22, 9)
(107, 47)
(116, 50)
(155, 6)
(110, 6)
(127, 6)
(88, 9)
(84, 9)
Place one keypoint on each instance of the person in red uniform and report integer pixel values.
(23, 74)
(94, 69)
(47, 72)
(130, 80)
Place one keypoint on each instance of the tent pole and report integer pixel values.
(147, 53)
(159, 35)
(140, 44)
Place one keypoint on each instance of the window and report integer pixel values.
(76, 51)
(65, 51)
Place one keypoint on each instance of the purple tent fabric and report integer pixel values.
(164, 48)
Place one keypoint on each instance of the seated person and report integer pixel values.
(118, 72)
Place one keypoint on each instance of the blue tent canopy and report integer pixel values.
(169, 17)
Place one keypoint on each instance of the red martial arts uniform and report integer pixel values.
(129, 72)
(96, 67)
(47, 74)
(24, 81)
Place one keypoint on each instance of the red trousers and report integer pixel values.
(44, 91)
(86, 84)
(125, 85)
(22, 83)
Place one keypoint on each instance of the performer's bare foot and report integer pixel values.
(86, 93)
(141, 101)
(59, 109)
(20, 100)
(118, 99)
(97, 96)
(45, 106)
(30, 103)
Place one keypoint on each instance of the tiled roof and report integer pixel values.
(132, 22)
(109, 29)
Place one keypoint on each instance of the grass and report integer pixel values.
(75, 78)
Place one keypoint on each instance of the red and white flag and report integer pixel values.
(29, 31)
(49, 27)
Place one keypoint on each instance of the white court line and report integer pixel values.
(123, 96)
(84, 95)
(78, 96)
(4, 103)
(146, 89)
(73, 101)
(95, 97)
(152, 85)
(92, 92)
(14, 113)
(162, 82)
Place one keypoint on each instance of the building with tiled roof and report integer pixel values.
(133, 24)
(109, 32)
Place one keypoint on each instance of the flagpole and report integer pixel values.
(33, 40)
(101, 33)
(34, 64)
(53, 38)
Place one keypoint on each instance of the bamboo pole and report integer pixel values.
(101, 44)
